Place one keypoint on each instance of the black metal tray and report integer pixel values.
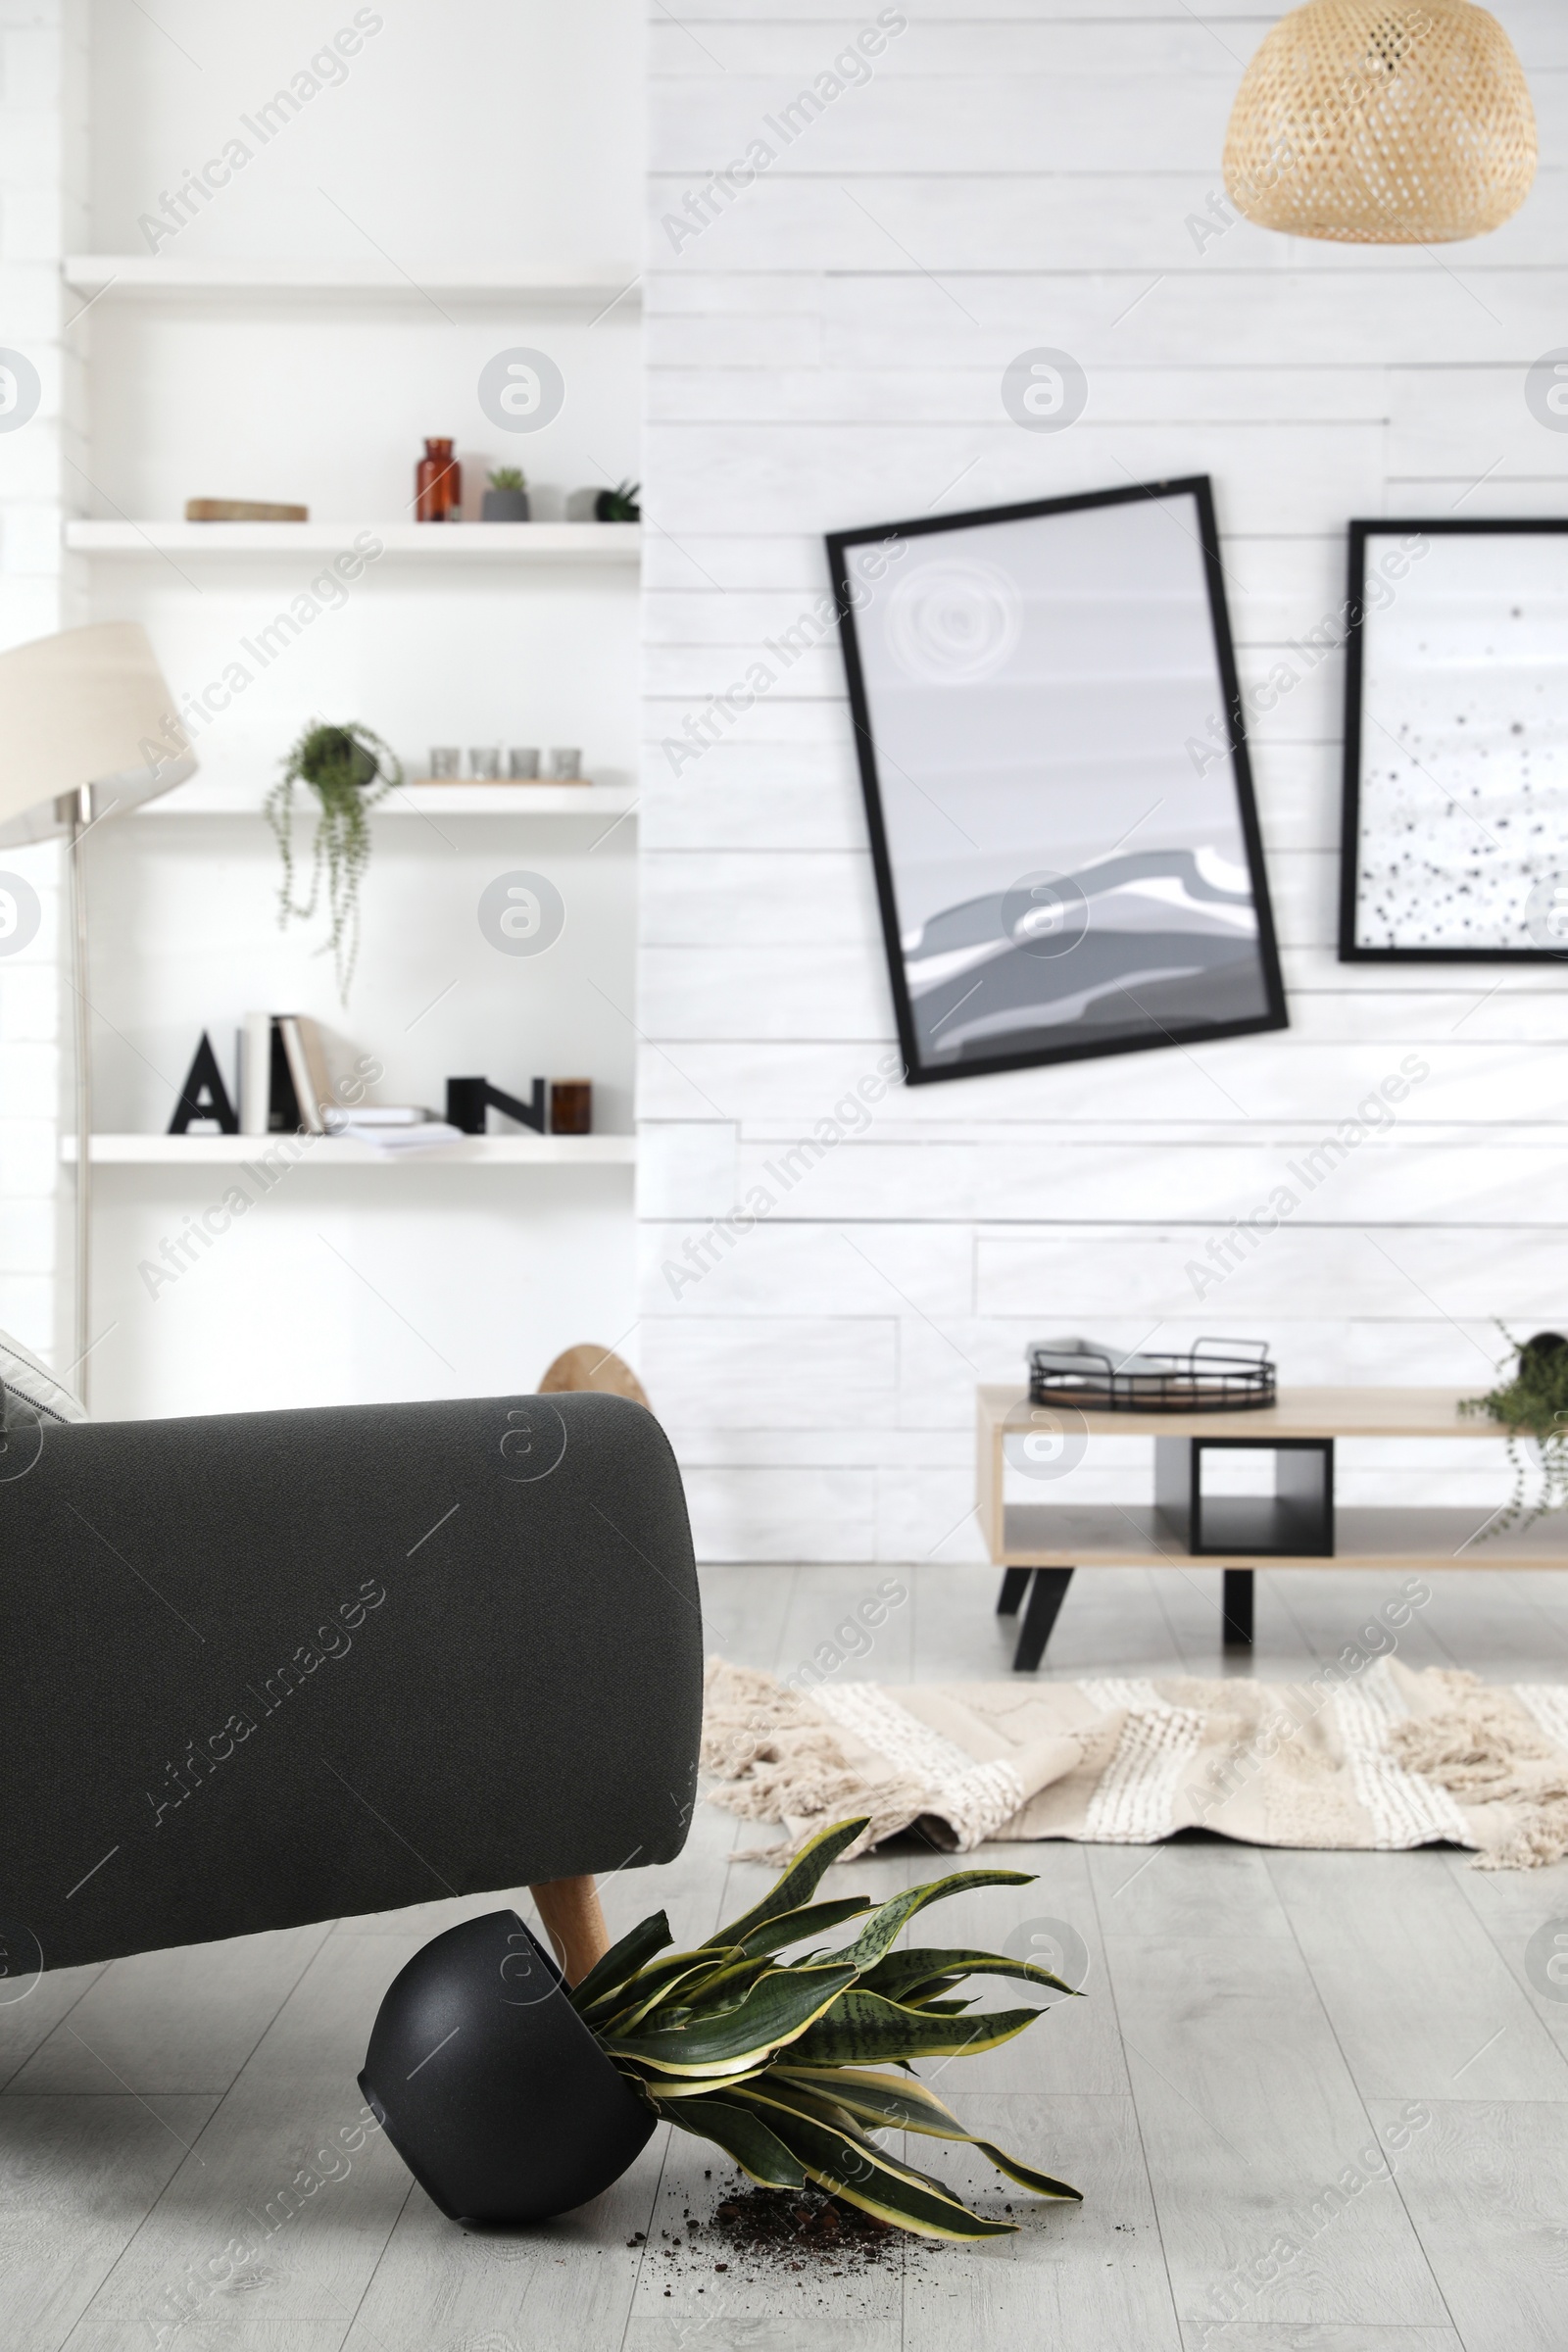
(1214, 1376)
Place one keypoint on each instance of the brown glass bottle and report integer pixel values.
(571, 1107)
(437, 484)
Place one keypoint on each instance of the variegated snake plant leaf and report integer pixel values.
(776, 2060)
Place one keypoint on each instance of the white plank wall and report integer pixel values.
(827, 353)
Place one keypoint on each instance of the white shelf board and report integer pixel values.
(517, 542)
(203, 799)
(137, 276)
(337, 1151)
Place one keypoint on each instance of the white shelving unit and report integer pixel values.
(430, 542)
(141, 277)
(609, 801)
(338, 1151)
(316, 380)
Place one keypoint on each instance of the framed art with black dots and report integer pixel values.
(1455, 829)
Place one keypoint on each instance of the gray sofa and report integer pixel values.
(267, 1668)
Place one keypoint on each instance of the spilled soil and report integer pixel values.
(753, 2232)
(802, 2230)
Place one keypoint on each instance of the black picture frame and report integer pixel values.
(1352, 946)
(1230, 746)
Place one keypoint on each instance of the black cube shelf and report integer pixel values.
(1295, 1522)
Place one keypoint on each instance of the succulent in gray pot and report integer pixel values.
(511, 2097)
(506, 498)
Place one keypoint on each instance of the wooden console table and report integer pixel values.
(1040, 1544)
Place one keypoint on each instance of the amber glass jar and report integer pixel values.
(437, 484)
(571, 1107)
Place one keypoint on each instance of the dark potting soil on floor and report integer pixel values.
(802, 2228)
(751, 2231)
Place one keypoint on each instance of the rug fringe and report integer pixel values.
(1481, 1748)
(778, 1760)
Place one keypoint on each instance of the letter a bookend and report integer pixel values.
(204, 1096)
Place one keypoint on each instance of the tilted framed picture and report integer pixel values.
(1056, 785)
(1454, 841)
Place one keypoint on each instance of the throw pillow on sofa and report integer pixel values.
(26, 1382)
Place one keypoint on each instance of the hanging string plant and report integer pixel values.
(349, 769)
(1532, 1404)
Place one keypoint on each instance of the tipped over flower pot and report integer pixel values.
(490, 2086)
(510, 2098)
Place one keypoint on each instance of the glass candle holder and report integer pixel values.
(566, 765)
(522, 766)
(485, 764)
(446, 763)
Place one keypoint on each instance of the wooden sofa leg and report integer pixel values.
(575, 1924)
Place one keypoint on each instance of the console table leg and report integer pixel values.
(1048, 1592)
(1238, 1608)
(1014, 1583)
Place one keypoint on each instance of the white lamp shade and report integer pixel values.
(87, 707)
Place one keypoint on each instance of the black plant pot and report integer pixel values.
(490, 2086)
(503, 506)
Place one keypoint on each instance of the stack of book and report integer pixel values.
(283, 1077)
(286, 1087)
(392, 1127)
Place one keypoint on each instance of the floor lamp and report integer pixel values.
(87, 730)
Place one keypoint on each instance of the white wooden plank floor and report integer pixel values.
(1318, 2102)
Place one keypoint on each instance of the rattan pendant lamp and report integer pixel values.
(1382, 122)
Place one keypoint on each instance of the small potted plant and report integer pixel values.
(1532, 1404)
(506, 498)
(348, 769)
(618, 505)
(511, 2097)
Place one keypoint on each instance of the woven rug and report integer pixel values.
(1386, 1759)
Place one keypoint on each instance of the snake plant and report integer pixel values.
(773, 2059)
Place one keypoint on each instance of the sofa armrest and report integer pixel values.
(268, 1668)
